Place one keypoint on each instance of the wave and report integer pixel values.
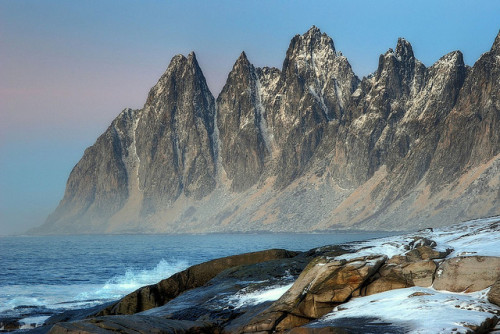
(131, 280)
(36, 299)
(243, 298)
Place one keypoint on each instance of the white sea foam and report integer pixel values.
(32, 322)
(245, 298)
(60, 297)
(120, 285)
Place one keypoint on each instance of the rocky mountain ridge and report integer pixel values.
(308, 147)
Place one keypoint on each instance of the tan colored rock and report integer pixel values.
(159, 294)
(425, 253)
(494, 293)
(397, 259)
(420, 273)
(384, 284)
(467, 274)
(400, 272)
(322, 285)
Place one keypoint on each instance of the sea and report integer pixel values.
(44, 275)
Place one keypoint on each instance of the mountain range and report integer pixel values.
(308, 147)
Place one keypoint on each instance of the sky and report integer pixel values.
(67, 68)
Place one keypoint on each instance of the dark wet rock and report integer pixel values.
(155, 295)
(78, 314)
(487, 326)
(351, 326)
(418, 242)
(132, 324)
(467, 273)
(9, 324)
(218, 300)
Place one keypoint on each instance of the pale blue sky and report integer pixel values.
(67, 68)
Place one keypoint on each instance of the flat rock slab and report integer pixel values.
(467, 274)
(131, 324)
(356, 325)
(159, 294)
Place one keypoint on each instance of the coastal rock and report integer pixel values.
(467, 274)
(401, 272)
(322, 285)
(415, 268)
(494, 293)
(131, 324)
(155, 295)
(236, 295)
(9, 324)
(425, 253)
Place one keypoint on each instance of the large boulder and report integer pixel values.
(415, 268)
(467, 273)
(399, 273)
(324, 284)
(159, 294)
(494, 293)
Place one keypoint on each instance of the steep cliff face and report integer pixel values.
(315, 85)
(147, 158)
(245, 139)
(471, 135)
(175, 137)
(306, 147)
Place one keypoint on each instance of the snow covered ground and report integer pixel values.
(419, 310)
(426, 310)
(475, 237)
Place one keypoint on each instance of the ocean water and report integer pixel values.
(41, 276)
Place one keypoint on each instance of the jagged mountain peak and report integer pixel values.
(312, 43)
(180, 61)
(404, 49)
(243, 55)
(192, 58)
(400, 71)
(403, 52)
(314, 32)
(180, 66)
(242, 71)
(451, 59)
(242, 60)
(495, 48)
(308, 147)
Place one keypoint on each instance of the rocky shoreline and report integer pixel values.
(444, 280)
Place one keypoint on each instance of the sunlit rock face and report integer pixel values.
(306, 147)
